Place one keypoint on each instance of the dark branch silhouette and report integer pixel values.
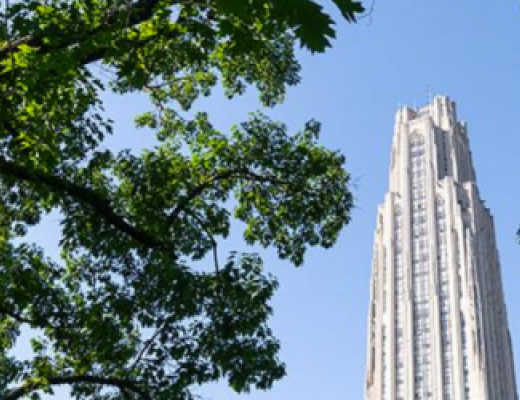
(236, 173)
(122, 384)
(17, 317)
(132, 14)
(81, 194)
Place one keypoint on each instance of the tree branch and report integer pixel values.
(81, 194)
(17, 317)
(238, 173)
(122, 384)
(211, 237)
(156, 334)
(132, 14)
(197, 191)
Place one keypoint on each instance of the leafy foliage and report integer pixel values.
(127, 312)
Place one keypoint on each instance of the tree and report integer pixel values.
(126, 312)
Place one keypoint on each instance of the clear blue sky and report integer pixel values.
(466, 49)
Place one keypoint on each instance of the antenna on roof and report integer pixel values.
(429, 93)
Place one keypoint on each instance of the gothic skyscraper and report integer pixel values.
(437, 323)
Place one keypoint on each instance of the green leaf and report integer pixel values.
(349, 9)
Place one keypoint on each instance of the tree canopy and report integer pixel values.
(127, 312)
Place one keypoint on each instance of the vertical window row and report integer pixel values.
(444, 155)
(373, 316)
(444, 303)
(398, 296)
(463, 327)
(465, 361)
(420, 263)
(385, 365)
(385, 272)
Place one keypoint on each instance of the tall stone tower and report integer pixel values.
(437, 323)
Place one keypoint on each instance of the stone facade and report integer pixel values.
(437, 327)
